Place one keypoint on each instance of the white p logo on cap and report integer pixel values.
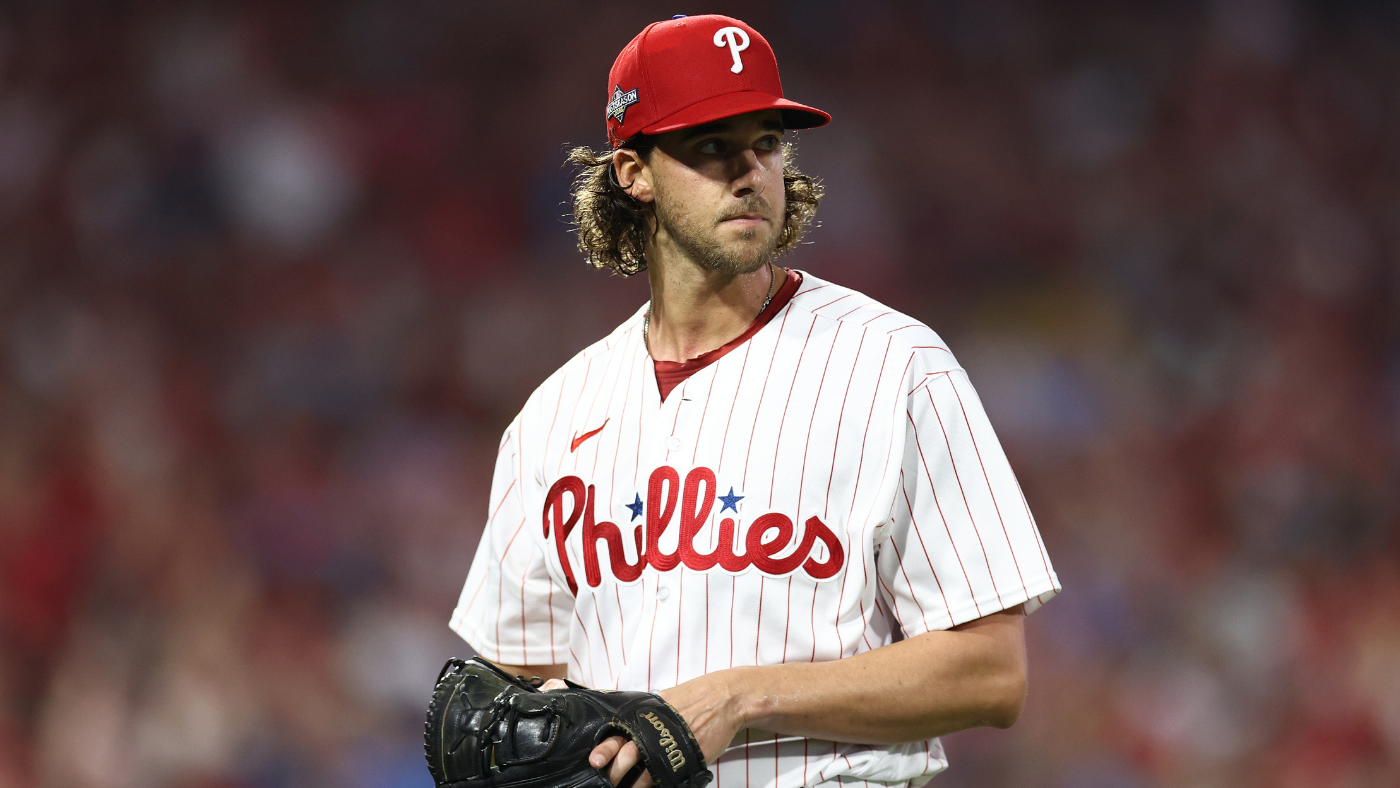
(737, 41)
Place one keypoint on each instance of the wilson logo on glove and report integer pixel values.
(673, 753)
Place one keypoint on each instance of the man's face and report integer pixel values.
(718, 191)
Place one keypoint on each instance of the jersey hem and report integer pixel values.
(886, 766)
(912, 782)
(1037, 592)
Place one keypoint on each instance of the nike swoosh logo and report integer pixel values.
(578, 439)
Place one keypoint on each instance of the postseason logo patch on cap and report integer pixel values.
(617, 108)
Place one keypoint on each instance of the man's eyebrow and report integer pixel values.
(715, 127)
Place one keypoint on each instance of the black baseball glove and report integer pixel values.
(488, 729)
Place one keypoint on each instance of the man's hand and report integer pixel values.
(709, 706)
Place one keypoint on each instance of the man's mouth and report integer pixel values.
(745, 219)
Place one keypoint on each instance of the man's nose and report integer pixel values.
(747, 174)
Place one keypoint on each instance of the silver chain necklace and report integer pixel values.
(772, 280)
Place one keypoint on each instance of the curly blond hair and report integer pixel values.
(612, 224)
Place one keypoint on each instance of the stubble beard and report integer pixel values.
(702, 243)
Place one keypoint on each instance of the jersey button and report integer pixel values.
(663, 593)
(673, 443)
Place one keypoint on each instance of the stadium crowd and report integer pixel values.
(275, 275)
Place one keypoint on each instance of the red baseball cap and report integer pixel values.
(692, 70)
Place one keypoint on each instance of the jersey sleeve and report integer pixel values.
(961, 542)
(512, 610)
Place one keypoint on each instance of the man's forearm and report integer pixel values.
(929, 685)
(926, 686)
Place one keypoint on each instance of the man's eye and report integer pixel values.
(767, 144)
(711, 147)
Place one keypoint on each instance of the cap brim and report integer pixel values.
(795, 116)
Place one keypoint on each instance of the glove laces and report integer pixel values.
(507, 709)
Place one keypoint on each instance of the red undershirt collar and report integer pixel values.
(670, 374)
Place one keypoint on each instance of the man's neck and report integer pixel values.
(695, 310)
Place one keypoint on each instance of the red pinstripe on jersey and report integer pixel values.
(853, 311)
(733, 594)
(603, 632)
(787, 621)
(501, 579)
(865, 436)
(864, 621)
(706, 667)
(587, 642)
(932, 569)
(972, 518)
(558, 398)
(651, 638)
(1044, 557)
(680, 600)
(866, 548)
(758, 622)
(903, 572)
(990, 492)
(807, 445)
(617, 594)
(612, 393)
(613, 358)
(677, 421)
(778, 444)
(938, 506)
(622, 419)
(739, 385)
(761, 395)
(836, 442)
(700, 430)
(829, 303)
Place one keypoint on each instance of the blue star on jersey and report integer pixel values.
(636, 507)
(731, 501)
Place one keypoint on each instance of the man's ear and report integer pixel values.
(632, 174)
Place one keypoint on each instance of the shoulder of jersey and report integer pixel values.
(618, 339)
(853, 308)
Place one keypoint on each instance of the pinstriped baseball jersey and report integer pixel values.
(826, 485)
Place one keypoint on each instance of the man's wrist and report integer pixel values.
(747, 695)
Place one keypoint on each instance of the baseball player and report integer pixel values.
(769, 498)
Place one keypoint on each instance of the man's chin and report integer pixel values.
(749, 255)
(756, 264)
(735, 262)
(755, 245)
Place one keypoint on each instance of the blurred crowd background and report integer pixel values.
(275, 275)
